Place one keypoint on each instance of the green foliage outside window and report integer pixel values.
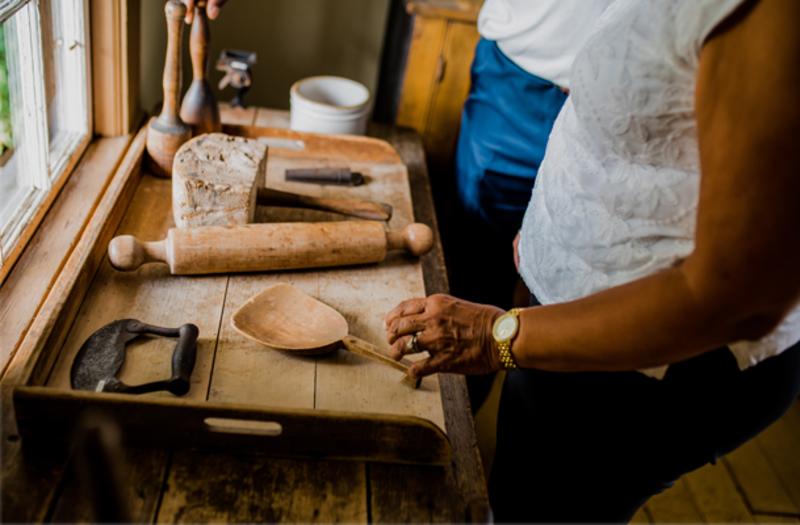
(5, 106)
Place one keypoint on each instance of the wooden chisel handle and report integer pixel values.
(363, 209)
(263, 247)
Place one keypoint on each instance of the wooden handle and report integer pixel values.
(198, 42)
(199, 107)
(416, 238)
(174, 12)
(127, 253)
(261, 247)
(363, 209)
(366, 349)
(166, 133)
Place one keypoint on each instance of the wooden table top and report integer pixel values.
(245, 487)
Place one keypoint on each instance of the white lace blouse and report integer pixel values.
(616, 195)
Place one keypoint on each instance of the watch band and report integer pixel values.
(506, 359)
(504, 347)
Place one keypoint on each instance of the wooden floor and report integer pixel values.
(759, 482)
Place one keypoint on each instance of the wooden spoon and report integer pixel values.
(285, 318)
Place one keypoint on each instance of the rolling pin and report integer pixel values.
(261, 247)
(200, 109)
(167, 132)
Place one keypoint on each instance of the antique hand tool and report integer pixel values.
(361, 208)
(337, 176)
(100, 358)
(199, 108)
(275, 246)
(218, 179)
(167, 132)
(285, 318)
(236, 64)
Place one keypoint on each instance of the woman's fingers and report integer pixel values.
(454, 332)
(432, 365)
(403, 326)
(189, 10)
(401, 347)
(408, 307)
(213, 8)
(404, 345)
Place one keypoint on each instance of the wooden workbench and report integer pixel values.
(203, 486)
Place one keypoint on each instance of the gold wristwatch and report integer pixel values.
(504, 331)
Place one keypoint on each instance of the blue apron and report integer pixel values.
(505, 125)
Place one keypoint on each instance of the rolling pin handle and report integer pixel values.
(127, 253)
(416, 238)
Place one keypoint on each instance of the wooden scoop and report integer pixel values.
(285, 318)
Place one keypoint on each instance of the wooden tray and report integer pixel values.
(243, 395)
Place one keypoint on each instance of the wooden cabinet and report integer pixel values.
(435, 81)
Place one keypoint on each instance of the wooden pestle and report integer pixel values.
(167, 132)
(277, 246)
(199, 108)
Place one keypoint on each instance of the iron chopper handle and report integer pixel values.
(183, 359)
(138, 327)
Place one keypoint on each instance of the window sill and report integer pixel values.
(29, 209)
(36, 270)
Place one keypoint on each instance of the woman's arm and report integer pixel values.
(744, 274)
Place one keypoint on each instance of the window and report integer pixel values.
(44, 106)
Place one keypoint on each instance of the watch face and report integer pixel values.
(506, 327)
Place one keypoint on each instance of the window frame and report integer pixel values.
(49, 164)
(51, 249)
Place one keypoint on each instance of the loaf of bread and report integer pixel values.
(215, 180)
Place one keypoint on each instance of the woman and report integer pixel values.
(518, 83)
(662, 237)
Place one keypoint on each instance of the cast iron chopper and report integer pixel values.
(101, 357)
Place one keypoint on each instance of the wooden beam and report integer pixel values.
(115, 66)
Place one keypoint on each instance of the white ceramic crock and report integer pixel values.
(329, 104)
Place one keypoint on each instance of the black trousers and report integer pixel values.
(593, 447)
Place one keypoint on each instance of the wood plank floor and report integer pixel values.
(758, 483)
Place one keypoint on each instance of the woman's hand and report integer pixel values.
(516, 251)
(212, 8)
(457, 334)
